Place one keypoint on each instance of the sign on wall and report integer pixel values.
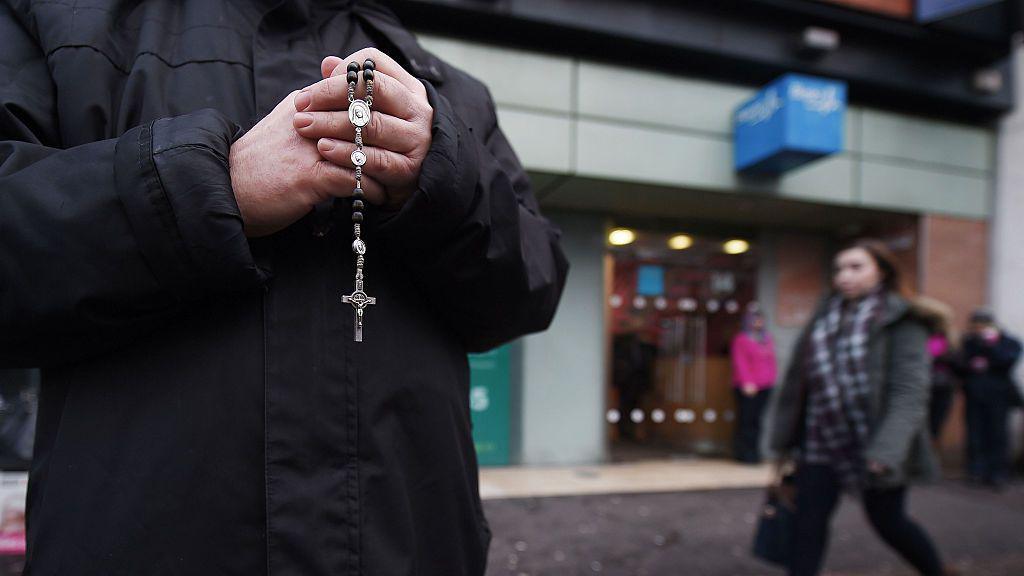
(650, 280)
(897, 8)
(489, 394)
(790, 122)
(930, 10)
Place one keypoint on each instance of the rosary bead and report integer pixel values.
(357, 216)
(369, 65)
(353, 66)
(368, 75)
(357, 204)
(352, 77)
(358, 194)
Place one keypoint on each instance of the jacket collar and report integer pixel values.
(383, 21)
(417, 61)
(896, 307)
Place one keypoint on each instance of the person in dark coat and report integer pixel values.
(851, 411)
(175, 240)
(988, 357)
(633, 359)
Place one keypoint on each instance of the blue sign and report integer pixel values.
(792, 121)
(930, 10)
(650, 281)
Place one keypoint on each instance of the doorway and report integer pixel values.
(675, 302)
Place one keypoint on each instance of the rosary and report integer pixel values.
(359, 115)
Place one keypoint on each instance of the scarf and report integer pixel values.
(839, 389)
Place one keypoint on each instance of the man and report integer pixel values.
(989, 356)
(633, 357)
(204, 406)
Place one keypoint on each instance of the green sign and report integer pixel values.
(489, 405)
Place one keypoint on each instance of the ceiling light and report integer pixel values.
(680, 242)
(621, 237)
(736, 246)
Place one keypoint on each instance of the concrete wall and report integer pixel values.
(572, 117)
(562, 387)
(1007, 272)
(1007, 279)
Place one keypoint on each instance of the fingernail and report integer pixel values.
(302, 119)
(303, 100)
(327, 144)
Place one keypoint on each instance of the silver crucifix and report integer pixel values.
(359, 300)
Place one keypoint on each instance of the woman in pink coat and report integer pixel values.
(753, 376)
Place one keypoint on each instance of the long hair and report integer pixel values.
(892, 276)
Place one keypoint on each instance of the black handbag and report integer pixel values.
(776, 530)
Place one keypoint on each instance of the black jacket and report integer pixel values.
(204, 409)
(994, 384)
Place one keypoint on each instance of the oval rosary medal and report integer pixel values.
(358, 157)
(359, 113)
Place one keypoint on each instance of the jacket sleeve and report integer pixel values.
(1005, 354)
(473, 237)
(773, 364)
(788, 398)
(906, 399)
(787, 405)
(102, 242)
(741, 369)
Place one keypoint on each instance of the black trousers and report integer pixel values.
(818, 493)
(938, 409)
(749, 414)
(987, 438)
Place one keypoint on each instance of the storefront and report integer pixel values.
(653, 152)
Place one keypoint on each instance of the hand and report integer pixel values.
(749, 389)
(782, 466)
(979, 363)
(278, 176)
(397, 138)
(877, 468)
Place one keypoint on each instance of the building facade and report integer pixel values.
(624, 113)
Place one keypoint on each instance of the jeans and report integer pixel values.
(818, 493)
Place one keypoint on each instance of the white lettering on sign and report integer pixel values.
(479, 399)
(760, 110)
(823, 100)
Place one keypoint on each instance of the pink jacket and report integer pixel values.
(753, 361)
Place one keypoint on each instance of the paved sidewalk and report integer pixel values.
(661, 519)
(643, 476)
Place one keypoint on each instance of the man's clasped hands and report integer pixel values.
(299, 154)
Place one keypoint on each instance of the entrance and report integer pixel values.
(675, 303)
